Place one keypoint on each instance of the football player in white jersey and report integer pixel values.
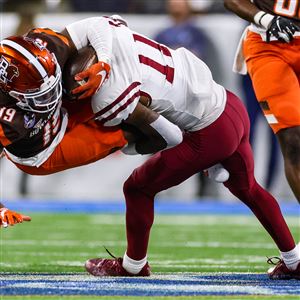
(28, 150)
(180, 87)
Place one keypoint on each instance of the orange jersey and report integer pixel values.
(83, 144)
(274, 69)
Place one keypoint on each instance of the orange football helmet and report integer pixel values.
(30, 74)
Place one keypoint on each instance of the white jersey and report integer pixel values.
(180, 85)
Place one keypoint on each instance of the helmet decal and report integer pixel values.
(7, 71)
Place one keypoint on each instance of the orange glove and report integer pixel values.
(8, 217)
(96, 75)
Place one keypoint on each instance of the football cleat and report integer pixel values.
(280, 271)
(112, 267)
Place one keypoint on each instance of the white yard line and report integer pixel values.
(190, 244)
(189, 220)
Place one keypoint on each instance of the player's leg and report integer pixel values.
(244, 186)
(199, 150)
(156, 174)
(171, 167)
(282, 107)
(273, 162)
(81, 145)
(277, 89)
(289, 139)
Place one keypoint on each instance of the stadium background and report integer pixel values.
(103, 180)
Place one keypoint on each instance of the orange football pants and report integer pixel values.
(83, 143)
(275, 72)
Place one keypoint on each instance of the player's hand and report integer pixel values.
(282, 29)
(94, 77)
(10, 218)
(217, 173)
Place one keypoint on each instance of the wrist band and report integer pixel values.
(263, 19)
(259, 21)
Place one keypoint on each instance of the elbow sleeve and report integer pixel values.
(94, 31)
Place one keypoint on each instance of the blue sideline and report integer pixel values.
(214, 284)
(164, 207)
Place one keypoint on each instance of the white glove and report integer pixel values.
(217, 173)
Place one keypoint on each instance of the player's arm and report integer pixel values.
(96, 32)
(281, 28)
(157, 132)
(245, 9)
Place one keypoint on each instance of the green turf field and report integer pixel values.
(60, 243)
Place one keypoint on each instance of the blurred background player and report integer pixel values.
(185, 33)
(272, 151)
(270, 47)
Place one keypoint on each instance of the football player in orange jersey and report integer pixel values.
(10, 218)
(270, 52)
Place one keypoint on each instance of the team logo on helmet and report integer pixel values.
(7, 71)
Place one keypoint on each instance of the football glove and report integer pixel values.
(282, 29)
(217, 173)
(10, 218)
(95, 75)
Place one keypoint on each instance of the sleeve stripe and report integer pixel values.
(124, 106)
(118, 100)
